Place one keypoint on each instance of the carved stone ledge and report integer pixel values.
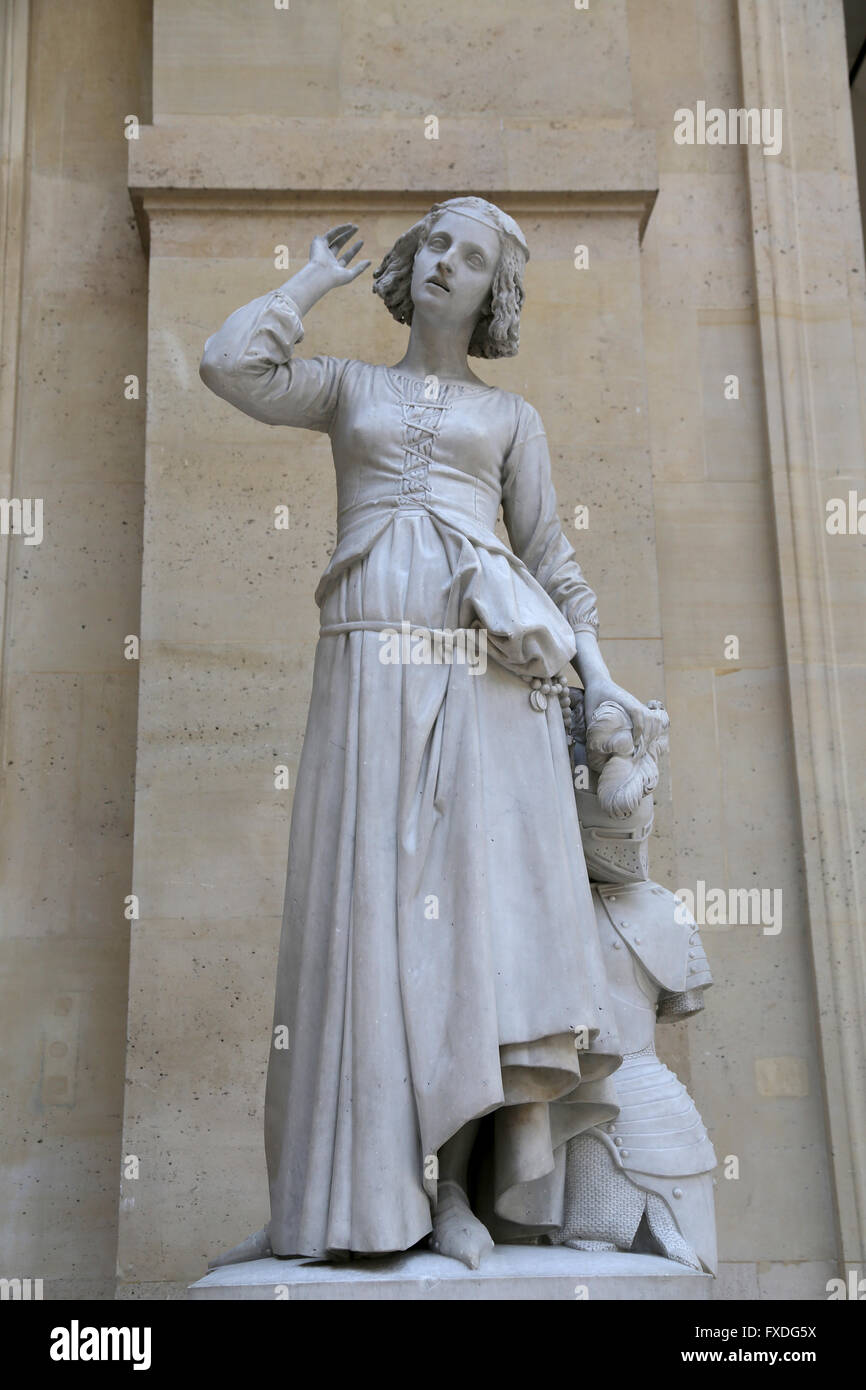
(213, 164)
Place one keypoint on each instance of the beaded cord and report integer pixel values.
(558, 686)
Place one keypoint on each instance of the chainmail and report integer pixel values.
(603, 1208)
(667, 1233)
(601, 1204)
(671, 1006)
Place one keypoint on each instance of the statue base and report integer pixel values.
(524, 1272)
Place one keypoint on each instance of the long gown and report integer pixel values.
(439, 958)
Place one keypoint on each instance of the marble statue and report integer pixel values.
(444, 1027)
(643, 1181)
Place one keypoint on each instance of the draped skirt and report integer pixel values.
(439, 960)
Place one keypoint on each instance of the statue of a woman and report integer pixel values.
(439, 958)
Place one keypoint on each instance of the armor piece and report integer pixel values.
(613, 1213)
(653, 1163)
(642, 1181)
(616, 851)
(658, 930)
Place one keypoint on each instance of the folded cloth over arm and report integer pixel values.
(248, 362)
(534, 528)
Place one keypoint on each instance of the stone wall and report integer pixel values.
(753, 1057)
(74, 326)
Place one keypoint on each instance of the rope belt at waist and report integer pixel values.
(540, 686)
(383, 625)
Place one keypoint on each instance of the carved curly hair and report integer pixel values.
(497, 332)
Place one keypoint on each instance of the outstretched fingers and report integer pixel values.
(339, 235)
(347, 255)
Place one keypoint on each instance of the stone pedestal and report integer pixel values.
(520, 1272)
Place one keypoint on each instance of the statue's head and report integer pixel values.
(463, 261)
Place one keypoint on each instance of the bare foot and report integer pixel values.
(255, 1247)
(456, 1232)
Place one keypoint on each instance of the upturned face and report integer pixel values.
(454, 268)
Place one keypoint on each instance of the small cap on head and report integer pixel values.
(488, 213)
(497, 332)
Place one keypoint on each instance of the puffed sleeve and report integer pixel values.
(534, 528)
(249, 363)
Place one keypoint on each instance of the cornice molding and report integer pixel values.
(212, 165)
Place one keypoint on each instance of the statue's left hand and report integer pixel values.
(647, 724)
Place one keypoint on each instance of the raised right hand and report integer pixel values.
(334, 269)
